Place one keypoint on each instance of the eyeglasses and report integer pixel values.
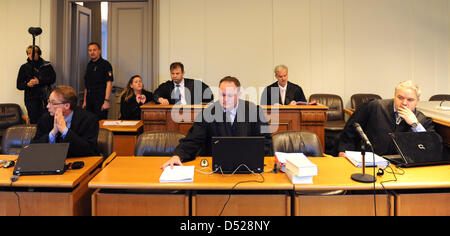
(55, 103)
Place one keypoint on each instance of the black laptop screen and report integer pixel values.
(420, 147)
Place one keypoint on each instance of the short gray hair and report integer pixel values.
(280, 68)
(410, 85)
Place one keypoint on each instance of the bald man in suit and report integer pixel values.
(230, 116)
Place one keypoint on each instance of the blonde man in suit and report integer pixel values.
(282, 92)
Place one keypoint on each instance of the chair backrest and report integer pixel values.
(297, 141)
(157, 143)
(334, 104)
(16, 137)
(10, 115)
(361, 98)
(440, 97)
(105, 142)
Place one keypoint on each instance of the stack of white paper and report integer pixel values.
(356, 159)
(299, 179)
(298, 168)
(179, 174)
(120, 123)
(444, 108)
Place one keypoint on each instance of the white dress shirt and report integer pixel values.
(282, 93)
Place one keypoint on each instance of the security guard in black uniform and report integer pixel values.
(98, 82)
(36, 78)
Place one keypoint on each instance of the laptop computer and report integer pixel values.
(240, 155)
(42, 159)
(418, 149)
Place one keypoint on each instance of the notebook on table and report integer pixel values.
(240, 155)
(42, 159)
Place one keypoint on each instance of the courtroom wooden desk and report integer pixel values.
(418, 191)
(50, 195)
(130, 186)
(125, 136)
(180, 118)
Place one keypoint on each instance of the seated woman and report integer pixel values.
(132, 98)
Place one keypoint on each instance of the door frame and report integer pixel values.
(148, 62)
(61, 26)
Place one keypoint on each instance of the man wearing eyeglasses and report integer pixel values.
(65, 123)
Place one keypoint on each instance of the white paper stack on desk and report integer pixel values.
(299, 168)
(179, 174)
(356, 159)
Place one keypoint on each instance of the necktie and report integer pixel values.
(398, 119)
(227, 121)
(177, 94)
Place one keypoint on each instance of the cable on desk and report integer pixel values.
(18, 199)
(374, 182)
(241, 182)
(219, 169)
(392, 180)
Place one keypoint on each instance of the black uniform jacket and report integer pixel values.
(97, 75)
(43, 71)
(82, 134)
(249, 121)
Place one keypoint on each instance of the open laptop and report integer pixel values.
(42, 159)
(230, 154)
(418, 149)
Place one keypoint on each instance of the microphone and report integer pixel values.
(35, 31)
(363, 178)
(362, 134)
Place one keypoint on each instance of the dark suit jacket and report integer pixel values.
(293, 93)
(82, 135)
(196, 92)
(377, 119)
(249, 121)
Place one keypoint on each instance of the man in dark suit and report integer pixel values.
(282, 92)
(378, 118)
(65, 123)
(181, 90)
(230, 116)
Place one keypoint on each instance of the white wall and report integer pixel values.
(331, 46)
(16, 16)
